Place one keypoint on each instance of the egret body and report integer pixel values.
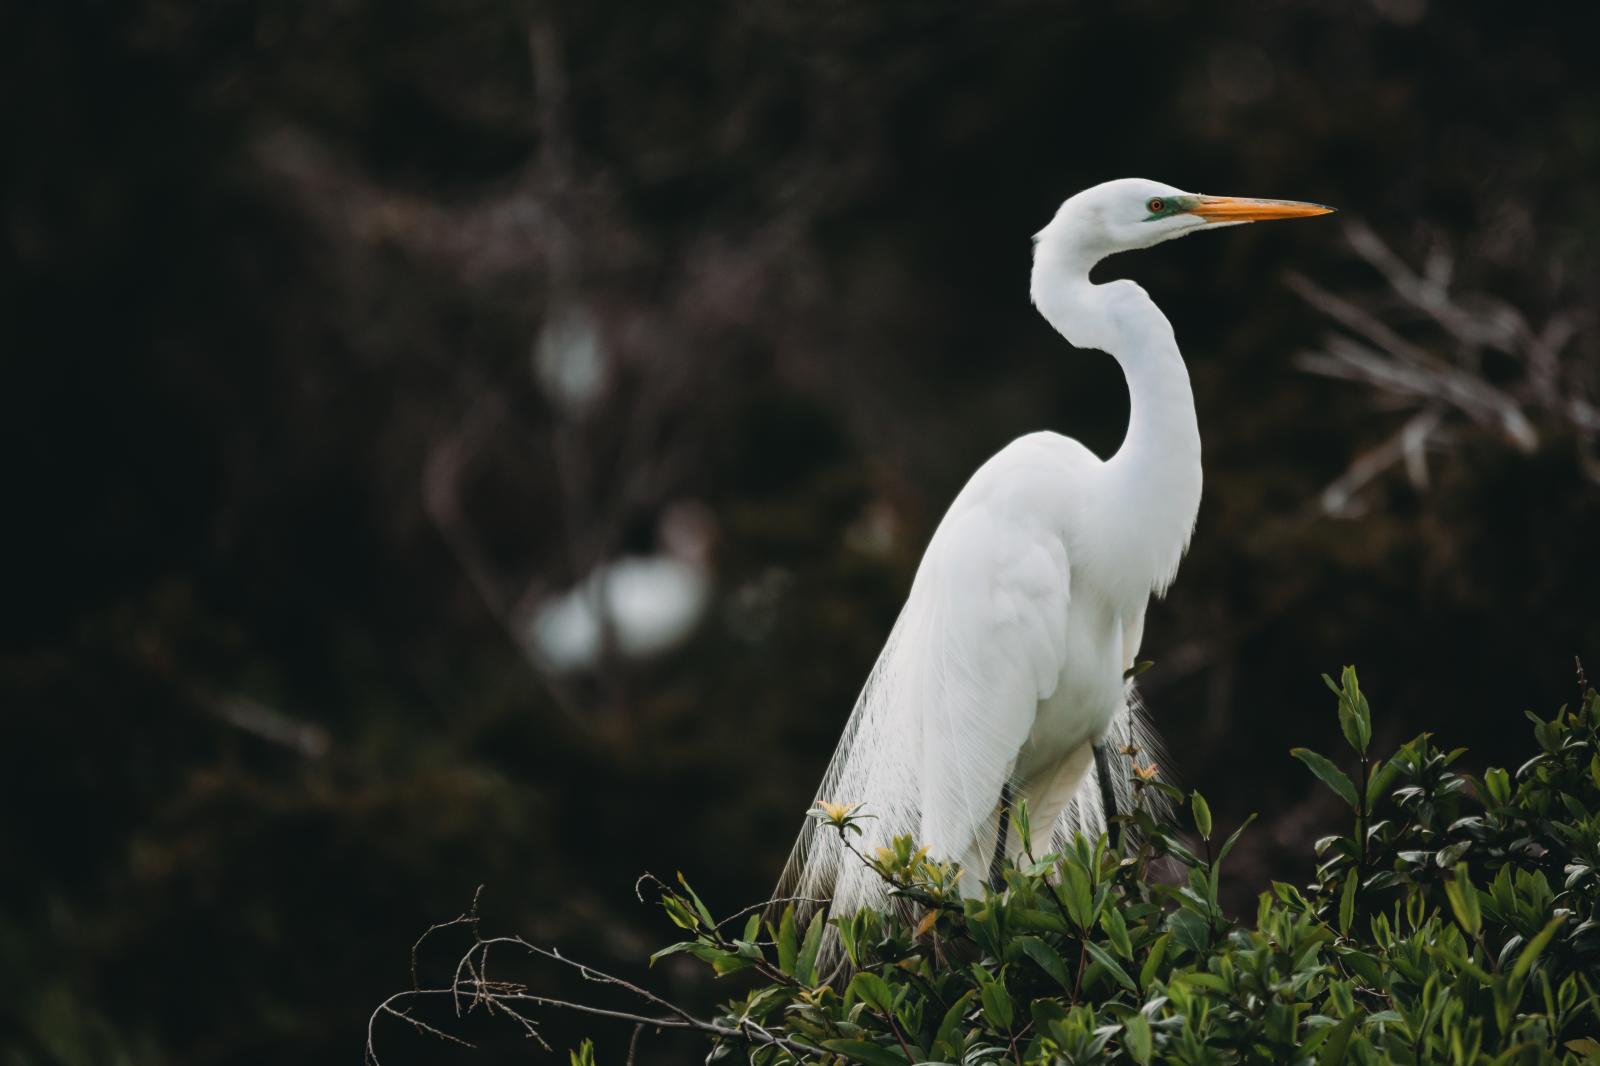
(1008, 663)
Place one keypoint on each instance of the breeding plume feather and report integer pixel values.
(1008, 664)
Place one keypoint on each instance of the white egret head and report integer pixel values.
(1130, 213)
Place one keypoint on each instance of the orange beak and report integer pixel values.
(1246, 209)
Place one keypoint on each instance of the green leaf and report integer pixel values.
(950, 1027)
(1349, 726)
(1079, 896)
(848, 928)
(1313, 1040)
(1047, 959)
(1381, 777)
(1136, 1037)
(1347, 903)
(678, 911)
(1233, 838)
(700, 949)
(1046, 1012)
(1333, 1050)
(1041, 921)
(1461, 962)
(1355, 718)
(863, 1052)
(1202, 815)
(1329, 774)
(874, 991)
(1497, 783)
(700, 908)
(752, 928)
(1364, 966)
(1116, 930)
(805, 964)
(1024, 826)
(1530, 954)
(1104, 958)
(1190, 930)
(724, 963)
(788, 949)
(1172, 847)
(1464, 901)
(673, 949)
(1152, 962)
(1136, 669)
(997, 1006)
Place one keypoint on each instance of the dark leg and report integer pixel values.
(997, 865)
(1108, 794)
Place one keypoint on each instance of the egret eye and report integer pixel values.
(1156, 205)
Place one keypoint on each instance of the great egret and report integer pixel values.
(1007, 668)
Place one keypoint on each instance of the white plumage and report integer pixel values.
(1007, 662)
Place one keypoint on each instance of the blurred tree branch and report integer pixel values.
(1441, 392)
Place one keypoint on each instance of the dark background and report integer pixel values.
(284, 481)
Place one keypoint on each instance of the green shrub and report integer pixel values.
(1454, 922)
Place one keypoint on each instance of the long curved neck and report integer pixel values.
(1150, 493)
(1154, 479)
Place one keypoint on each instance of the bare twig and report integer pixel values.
(1446, 382)
(472, 987)
(633, 1044)
(387, 1007)
(764, 904)
(468, 917)
(1339, 498)
(750, 1033)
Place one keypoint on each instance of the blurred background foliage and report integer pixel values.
(344, 339)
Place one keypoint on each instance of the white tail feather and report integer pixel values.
(874, 766)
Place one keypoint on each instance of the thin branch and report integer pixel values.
(752, 1035)
(471, 985)
(386, 1007)
(1438, 384)
(442, 473)
(633, 1044)
(467, 917)
(764, 904)
(1339, 497)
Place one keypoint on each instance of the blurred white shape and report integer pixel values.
(569, 358)
(268, 723)
(644, 604)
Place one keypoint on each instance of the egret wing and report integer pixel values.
(937, 728)
(948, 706)
(989, 614)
